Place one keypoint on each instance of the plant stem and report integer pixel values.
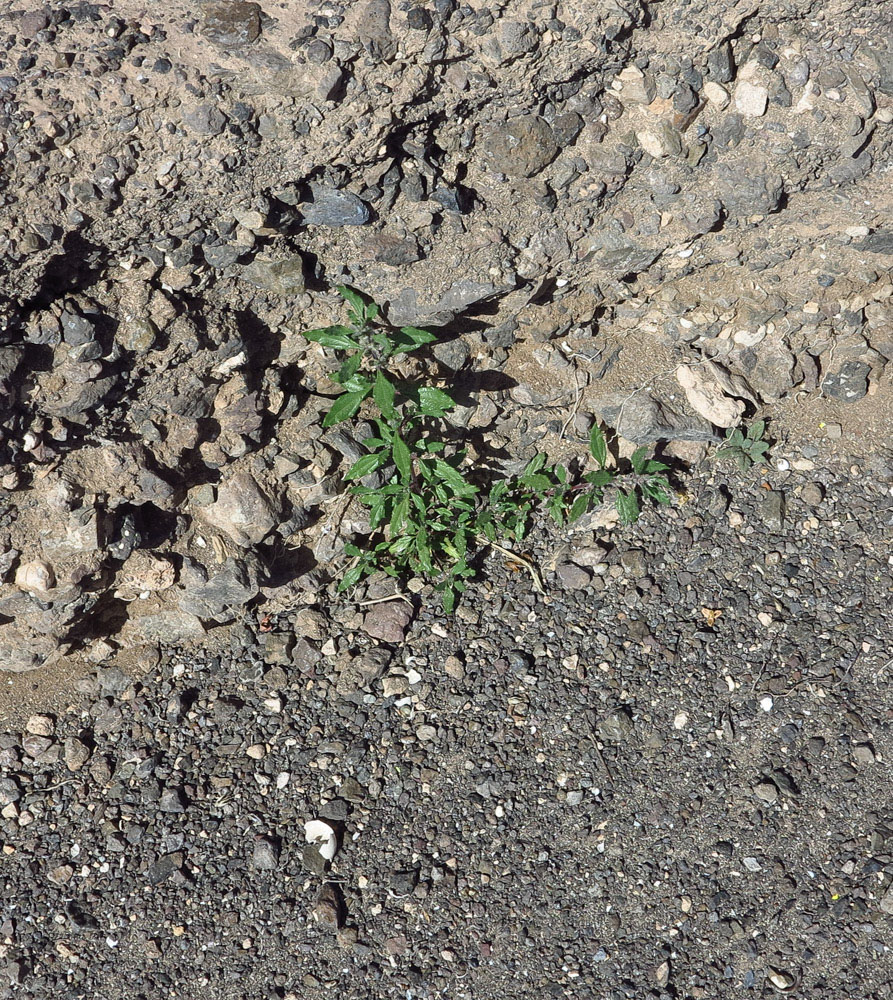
(526, 563)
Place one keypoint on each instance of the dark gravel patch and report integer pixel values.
(670, 783)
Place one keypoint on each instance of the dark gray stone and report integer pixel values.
(879, 242)
(849, 383)
(230, 24)
(521, 147)
(331, 207)
(643, 420)
(221, 595)
(204, 120)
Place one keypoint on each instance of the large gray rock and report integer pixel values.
(745, 189)
(241, 511)
(521, 147)
(219, 595)
(643, 419)
(406, 308)
(283, 277)
(330, 207)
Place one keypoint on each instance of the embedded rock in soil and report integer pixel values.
(643, 420)
(849, 383)
(522, 147)
(388, 621)
(330, 207)
(241, 511)
(229, 24)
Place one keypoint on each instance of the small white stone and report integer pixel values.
(782, 465)
(751, 99)
(766, 703)
(651, 144)
(716, 94)
(680, 721)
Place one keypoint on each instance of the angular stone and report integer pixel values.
(849, 383)
(221, 595)
(241, 511)
(230, 24)
(716, 94)
(774, 509)
(406, 308)
(75, 753)
(169, 626)
(282, 277)
(745, 189)
(40, 725)
(330, 207)
(879, 242)
(358, 672)
(265, 856)
(636, 86)
(204, 119)
(388, 621)
(521, 147)
(627, 259)
(751, 99)
(643, 420)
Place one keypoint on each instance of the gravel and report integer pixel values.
(664, 776)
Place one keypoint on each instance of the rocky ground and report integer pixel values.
(665, 777)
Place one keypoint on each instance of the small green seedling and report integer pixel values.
(427, 517)
(746, 449)
(370, 345)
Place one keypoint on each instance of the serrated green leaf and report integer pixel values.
(354, 299)
(349, 368)
(385, 430)
(561, 474)
(344, 407)
(638, 459)
(598, 445)
(656, 491)
(652, 466)
(400, 522)
(755, 431)
(363, 466)
(578, 508)
(600, 479)
(434, 402)
(452, 477)
(402, 545)
(351, 577)
(357, 383)
(402, 458)
(336, 337)
(538, 483)
(384, 393)
(449, 599)
(416, 336)
(352, 550)
(628, 506)
(535, 464)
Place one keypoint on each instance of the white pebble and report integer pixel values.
(766, 703)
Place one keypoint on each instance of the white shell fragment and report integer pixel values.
(322, 836)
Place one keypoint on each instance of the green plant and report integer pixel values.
(370, 346)
(429, 518)
(745, 448)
